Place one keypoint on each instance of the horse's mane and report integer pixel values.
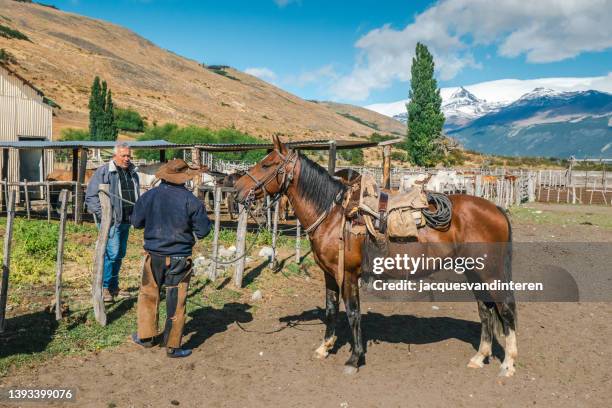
(316, 185)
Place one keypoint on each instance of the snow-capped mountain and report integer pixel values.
(544, 122)
(503, 92)
(459, 108)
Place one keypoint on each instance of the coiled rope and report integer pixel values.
(440, 218)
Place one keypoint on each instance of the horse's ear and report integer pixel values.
(278, 145)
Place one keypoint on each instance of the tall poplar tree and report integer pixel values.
(425, 119)
(94, 108)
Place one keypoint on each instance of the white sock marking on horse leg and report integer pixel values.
(484, 351)
(507, 368)
(323, 350)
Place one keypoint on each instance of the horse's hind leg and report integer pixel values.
(486, 312)
(507, 311)
(350, 295)
(331, 317)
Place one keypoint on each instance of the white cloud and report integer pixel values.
(325, 73)
(543, 31)
(262, 73)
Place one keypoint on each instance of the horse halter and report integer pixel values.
(280, 170)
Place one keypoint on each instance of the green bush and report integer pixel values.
(194, 134)
(129, 120)
(72, 134)
(355, 156)
(6, 57)
(377, 137)
(399, 156)
(9, 33)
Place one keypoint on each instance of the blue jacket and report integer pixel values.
(107, 174)
(172, 218)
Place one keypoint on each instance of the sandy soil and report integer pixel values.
(260, 355)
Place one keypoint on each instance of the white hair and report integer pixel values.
(120, 145)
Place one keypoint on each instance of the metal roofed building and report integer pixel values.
(25, 115)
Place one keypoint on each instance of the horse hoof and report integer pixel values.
(320, 354)
(476, 362)
(506, 371)
(350, 370)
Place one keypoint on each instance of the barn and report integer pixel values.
(25, 115)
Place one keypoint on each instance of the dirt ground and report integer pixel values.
(259, 354)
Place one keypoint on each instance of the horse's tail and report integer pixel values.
(507, 312)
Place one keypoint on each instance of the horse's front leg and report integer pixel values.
(331, 317)
(350, 295)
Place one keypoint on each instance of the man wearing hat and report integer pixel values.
(172, 218)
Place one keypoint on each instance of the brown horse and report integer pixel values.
(316, 197)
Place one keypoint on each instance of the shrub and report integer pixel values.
(129, 120)
(70, 134)
(6, 57)
(9, 33)
(355, 156)
(194, 134)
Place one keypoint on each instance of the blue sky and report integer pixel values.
(360, 51)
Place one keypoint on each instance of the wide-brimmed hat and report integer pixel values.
(176, 171)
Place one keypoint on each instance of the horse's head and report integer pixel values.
(272, 175)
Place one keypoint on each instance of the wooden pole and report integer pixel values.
(59, 262)
(331, 164)
(240, 246)
(98, 275)
(387, 167)
(6, 194)
(48, 196)
(26, 192)
(274, 233)
(75, 164)
(196, 156)
(268, 213)
(6, 259)
(215, 245)
(2, 200)
(78, 210)
(297, 241)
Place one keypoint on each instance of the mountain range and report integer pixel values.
(540, 122)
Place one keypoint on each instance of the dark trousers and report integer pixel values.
(173, 273)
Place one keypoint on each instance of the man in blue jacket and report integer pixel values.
(124, 189)
(172, 218)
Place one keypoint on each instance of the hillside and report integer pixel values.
(375, 120)
(65, 51)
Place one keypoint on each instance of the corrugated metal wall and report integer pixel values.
(22, 113)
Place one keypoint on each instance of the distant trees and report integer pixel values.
(425, 119)
(102, 124)
(129, 119)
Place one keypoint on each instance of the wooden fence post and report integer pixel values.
(268, 213)
(331, 162)
(26, 192)
(297, 241)
(98, 275)
(59, 264)
(240, 246)
(78, 210)
(6, 259)
(274, 233)
(48, 196)
(212, 274)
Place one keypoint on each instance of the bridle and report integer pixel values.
(280, 170)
